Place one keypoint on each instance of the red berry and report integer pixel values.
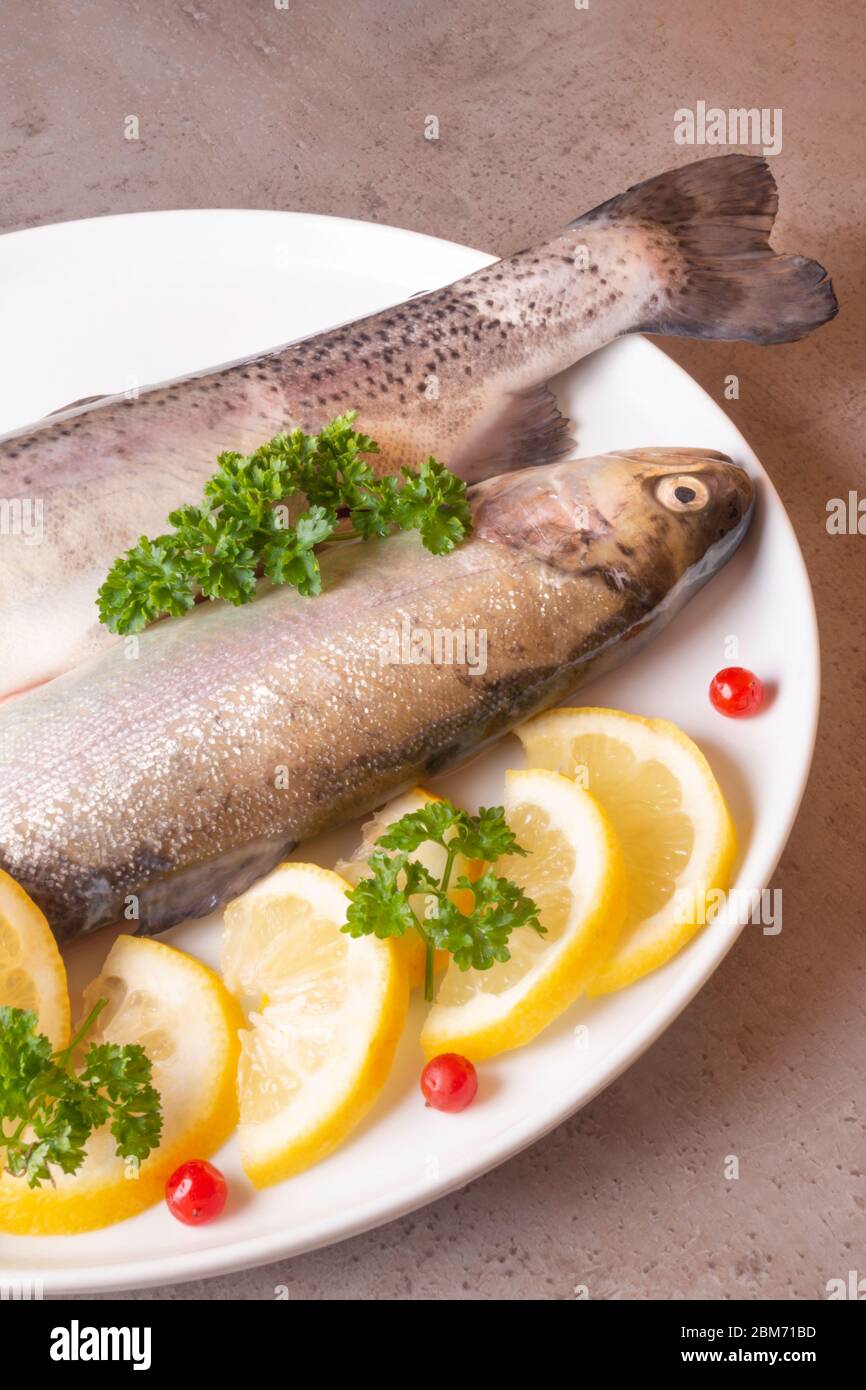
(449, 1082)
(736, 691)
(196, 1192)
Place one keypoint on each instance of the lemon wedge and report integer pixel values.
(432, 856)
(661, 797)
(187, 1023)
(326, 1015)
(574, 873)
(32, 973)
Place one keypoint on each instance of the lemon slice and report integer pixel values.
(668, 812)
(574, 873)
(326, 1016)
(32, 973)
(431, 856)
(187, 1023)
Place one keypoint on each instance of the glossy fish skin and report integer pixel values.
(460, 373)
(173, 773)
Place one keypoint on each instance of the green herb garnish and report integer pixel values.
(380, 905)
(49, 1109)
(241, 529)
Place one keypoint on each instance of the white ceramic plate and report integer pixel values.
(94, 306)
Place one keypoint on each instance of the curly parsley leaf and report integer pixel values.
(429, 822)
(487, 835)
(121, 1077)
(433, 501)
(479, 939)
(152, 578)
(242, 529)
(290, 555)
(24, 1056)
(381, 904)
(48, 1110)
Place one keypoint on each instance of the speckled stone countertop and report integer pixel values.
(544, 109)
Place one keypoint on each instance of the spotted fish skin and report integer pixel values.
(170, 776)
(460, 372)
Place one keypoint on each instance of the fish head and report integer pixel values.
(647, 521)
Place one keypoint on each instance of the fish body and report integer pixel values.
(460, 372)
(163, 776)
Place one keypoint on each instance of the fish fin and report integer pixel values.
(197, 889)
(524, 428)
(75, 405)
(727, 282)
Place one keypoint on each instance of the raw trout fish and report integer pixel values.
(173, 778)
(460, 372)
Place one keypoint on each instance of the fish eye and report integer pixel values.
(681, 492)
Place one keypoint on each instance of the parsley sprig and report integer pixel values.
(241, 531)
(48, 1109)
(381, 904)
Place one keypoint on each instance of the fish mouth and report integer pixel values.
(736, 506)
(745, 489)
(734, 497)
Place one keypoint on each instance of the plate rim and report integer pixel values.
(251, 1252)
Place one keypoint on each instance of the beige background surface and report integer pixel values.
(544, 110)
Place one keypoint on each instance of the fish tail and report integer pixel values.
(725, 279)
